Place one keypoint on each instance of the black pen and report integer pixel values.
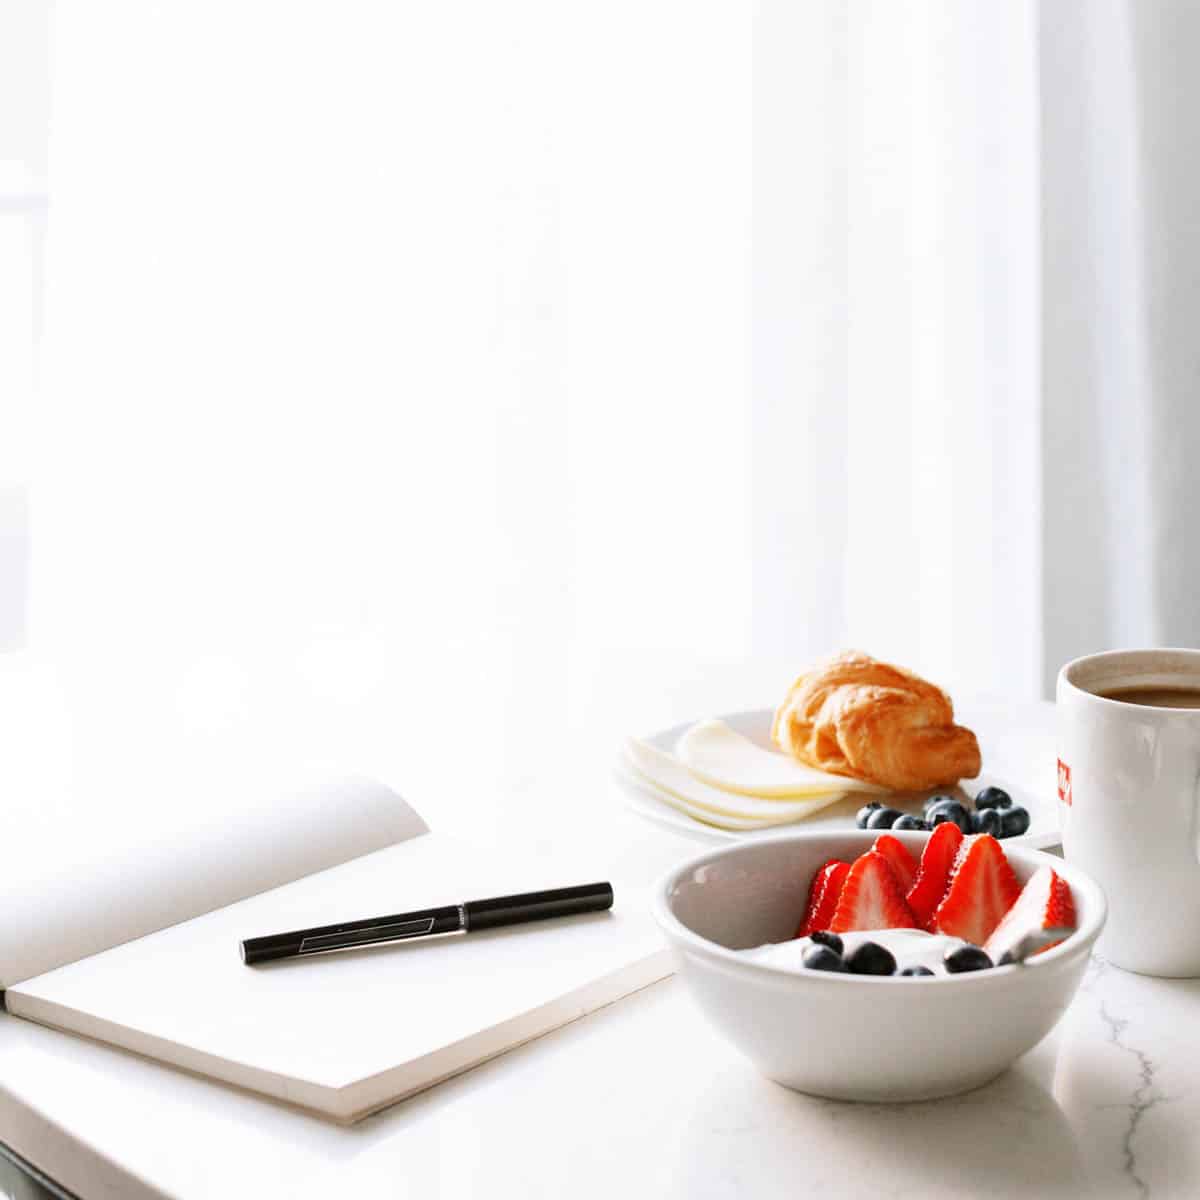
(429, 922)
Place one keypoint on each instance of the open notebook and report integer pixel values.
(136, 943)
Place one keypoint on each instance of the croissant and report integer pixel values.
(852, 715)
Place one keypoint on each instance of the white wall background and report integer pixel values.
(24, 109)
(435, 385)
(395, 358)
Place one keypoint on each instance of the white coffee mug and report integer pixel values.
(1129, 803)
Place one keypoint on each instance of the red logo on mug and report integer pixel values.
(1064, 783)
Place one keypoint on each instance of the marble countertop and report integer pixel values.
(642, 1098)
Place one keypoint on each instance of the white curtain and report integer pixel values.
(896, 336)
(1121, 247)
(977, 378)
(443, 386)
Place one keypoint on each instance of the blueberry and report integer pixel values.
(933, 801)
(908, 821)
(883, 818)
(942, 803)
(951, 810)
(987, 820)
(993, 797)
(822, 958)
(1014, 821)
(865, 812)
(825, 937)
(966, 958)
(870, 958)
(912, 971)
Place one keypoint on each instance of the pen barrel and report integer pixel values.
(351, 934)
(450, 918)
(537, 906)
(265, 949)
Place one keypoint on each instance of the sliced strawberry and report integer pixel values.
(982, 889)
(823, 895)
(903, 865)
(933, 875)
(1044, 903)
(871, 898)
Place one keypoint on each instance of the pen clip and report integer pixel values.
(360, 937)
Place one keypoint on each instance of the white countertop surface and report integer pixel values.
(641, 1098)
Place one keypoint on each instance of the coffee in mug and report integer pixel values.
(1129, 800)
(1155, 697)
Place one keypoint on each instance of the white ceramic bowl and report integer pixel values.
(854, 1037)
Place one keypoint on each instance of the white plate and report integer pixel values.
(1018, 755)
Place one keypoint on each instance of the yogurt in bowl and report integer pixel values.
(730, 914)
(909, 947)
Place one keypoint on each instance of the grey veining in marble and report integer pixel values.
(1127, 1073)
